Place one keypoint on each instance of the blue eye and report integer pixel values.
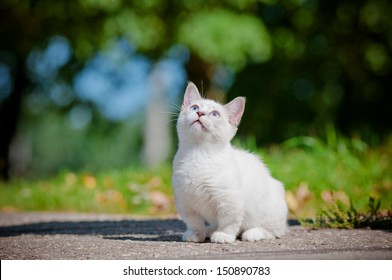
(194, 108)
(215, 114)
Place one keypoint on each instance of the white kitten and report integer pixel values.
(221, 191)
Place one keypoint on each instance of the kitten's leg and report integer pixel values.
(228, 226)
(210, 230)
(256, 234)
(196, 229)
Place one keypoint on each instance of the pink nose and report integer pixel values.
(200, 114)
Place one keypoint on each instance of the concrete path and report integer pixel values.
(92, 236)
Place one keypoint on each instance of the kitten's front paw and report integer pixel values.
(192, 236)
(222, 237)
(256, 234)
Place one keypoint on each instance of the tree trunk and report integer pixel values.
(199, 72)
(157, 140)
(9, 116)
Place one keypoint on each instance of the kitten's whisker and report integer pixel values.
(172, 121)
(202, 88)
(221, 97)
(166, 113)
(176, 106)
(175, 110)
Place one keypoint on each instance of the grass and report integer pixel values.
(321, 174)
(340, 216)
(332, 174)
(138, 192)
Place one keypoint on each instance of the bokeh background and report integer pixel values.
(94, 85)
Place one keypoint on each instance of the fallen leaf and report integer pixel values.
(343, 197)
(327, 196)
(292, 202)
(160, 201)
(302, 194)
(89, 182)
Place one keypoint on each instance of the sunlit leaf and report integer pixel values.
(221, 36)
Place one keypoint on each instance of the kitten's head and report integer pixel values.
(206, 121)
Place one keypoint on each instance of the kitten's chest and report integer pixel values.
(198, 170)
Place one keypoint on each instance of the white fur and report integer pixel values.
(221, 191)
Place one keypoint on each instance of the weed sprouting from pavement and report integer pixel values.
(338, 216)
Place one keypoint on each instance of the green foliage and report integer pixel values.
(301, 65)
(317, 175)
(146, 31)
(227, 37)
(338, 216)
(330, 64)
(55, 145)
(137, 192)
(317, 172)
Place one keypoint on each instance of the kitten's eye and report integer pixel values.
(215, 114)
(194, 108)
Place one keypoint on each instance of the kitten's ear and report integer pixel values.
(235, 109)
(191, 94)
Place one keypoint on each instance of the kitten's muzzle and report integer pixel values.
(199, 122)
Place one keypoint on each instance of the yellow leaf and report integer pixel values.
(89, 182)
(291, 200)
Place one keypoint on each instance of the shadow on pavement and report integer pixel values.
(135, 230)
(159, 230)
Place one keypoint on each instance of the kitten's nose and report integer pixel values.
(199, 113)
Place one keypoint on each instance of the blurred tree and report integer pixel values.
(301, 63)
(216, 32)
(331, 63)
(27, 25)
